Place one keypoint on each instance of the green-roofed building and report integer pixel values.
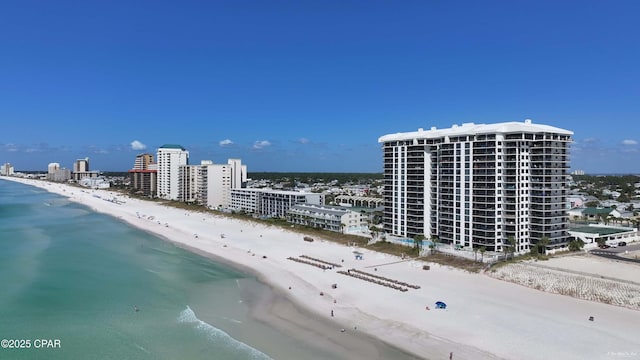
(609, 234)
(172, 146)
(591, 212)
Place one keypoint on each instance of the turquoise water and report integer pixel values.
(75, 277)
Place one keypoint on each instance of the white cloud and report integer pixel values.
(261, 144)
(629, 142)
(11, 147)
(137, 145)
(303, 141)
(225, 142)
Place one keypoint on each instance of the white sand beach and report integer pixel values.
(485, 318)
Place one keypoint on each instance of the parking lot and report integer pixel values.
(615, 252)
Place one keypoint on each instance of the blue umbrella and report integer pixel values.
(440, 305)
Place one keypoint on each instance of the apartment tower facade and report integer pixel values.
(217, 180)
(144, 175)
(169, 159)
(478, 185)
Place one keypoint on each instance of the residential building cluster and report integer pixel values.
(470, 186)
(223, 187)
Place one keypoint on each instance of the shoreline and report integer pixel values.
(482, 311)
(276, 309)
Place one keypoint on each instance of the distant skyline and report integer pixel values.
(290, 86)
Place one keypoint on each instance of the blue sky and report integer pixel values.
(310, 85)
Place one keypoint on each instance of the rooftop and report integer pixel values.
(172, 146)
(601, 230)
(473, 129)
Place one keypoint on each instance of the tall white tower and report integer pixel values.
(169, 158)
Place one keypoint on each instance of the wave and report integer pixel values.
(232, 320)
(152, 271)
(141, 348)
(189, 317)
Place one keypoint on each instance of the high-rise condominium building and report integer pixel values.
(170, 158)
(6, 169)
(57, 173)
(81, 165)
(144, 175)
(215, 182)
(81, 170)
(143, 161)
(478, 185)
(210, 184)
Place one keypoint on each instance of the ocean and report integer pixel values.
(82, 285)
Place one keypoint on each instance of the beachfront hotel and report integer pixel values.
(6, 169)
(269, 202)
(169, 158)
(210, 184)
(144, 175)
(57, 173)
(477, 185)
(81, 170)
(331, 218)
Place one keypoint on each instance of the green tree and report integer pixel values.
(592, 204)
(542, 244)
(510, 246)
(434, 244)
(576, 244)
(533, 250)
(482, 251)
(417, 242)
(603, 218)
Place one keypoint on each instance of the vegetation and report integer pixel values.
(455, 261)
(313, 177)
(594, 185)
(576, 245)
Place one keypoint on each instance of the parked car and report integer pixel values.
(604, 246)
(622, 243)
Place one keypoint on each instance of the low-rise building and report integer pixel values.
(610, 235)
(95, 182)
(269, 202)
(332, 218)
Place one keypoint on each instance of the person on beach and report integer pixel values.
(331, 313)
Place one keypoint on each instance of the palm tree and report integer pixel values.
(510, 247)
(373, 231)
(603, 218)
(434, 244)
(475, 254)
(542, 244)
(482, 250)
(417, 242)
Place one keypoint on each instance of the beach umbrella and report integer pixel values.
(440, 305)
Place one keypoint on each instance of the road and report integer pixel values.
(614, 252)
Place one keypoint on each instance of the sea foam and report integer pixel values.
(188, 316)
